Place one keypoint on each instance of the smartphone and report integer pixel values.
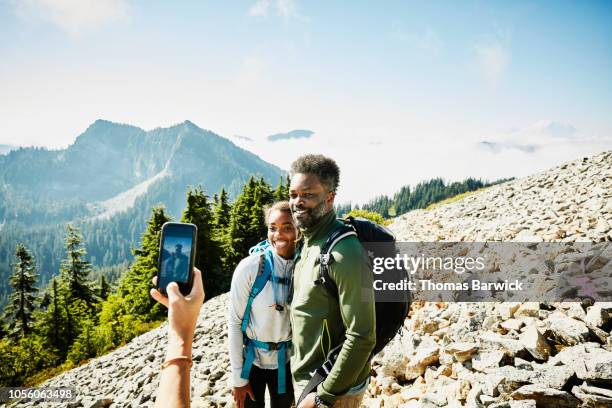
(177, 248)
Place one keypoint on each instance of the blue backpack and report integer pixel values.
(265, 274)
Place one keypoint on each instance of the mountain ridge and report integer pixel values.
(136, 155)
(106, 183)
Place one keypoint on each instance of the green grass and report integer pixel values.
(48, 373)
(51, 372)
(455, 198)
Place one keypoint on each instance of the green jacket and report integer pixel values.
(319, 321)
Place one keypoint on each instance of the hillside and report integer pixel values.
(109, 159)
(106, 183)
(452, 354)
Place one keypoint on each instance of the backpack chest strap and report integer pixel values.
(281, 347)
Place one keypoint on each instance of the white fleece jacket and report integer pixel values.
(266, 323)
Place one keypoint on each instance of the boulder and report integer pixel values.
(535, 343)
(487, 359)
(546, 397)
(425, 356)
(462, 351)
(568, 331)
(494, 341)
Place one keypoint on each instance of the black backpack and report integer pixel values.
(390, 315)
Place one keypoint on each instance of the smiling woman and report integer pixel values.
(258, 321)
(282, 232)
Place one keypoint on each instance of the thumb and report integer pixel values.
(250, 392)
(173, 292)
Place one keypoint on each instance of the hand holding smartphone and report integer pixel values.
(177, 249)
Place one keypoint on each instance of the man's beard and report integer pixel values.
(311, 216)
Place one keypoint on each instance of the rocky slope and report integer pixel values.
(451, 354)
(508, 354)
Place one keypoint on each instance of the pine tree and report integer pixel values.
(279, 192)
(221, 214)
(238, 233)
(104, 288)
(75, 270)
(52, 322)
(261, 199)
(134, 288)
(20, 309)
(247, 225)
(208, 252)
(287, 187)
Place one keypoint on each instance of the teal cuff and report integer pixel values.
(325, 396)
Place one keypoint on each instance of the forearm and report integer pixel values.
(358, 314)
(174, 384)
(242, 282)
(235, 342)
(351, 360)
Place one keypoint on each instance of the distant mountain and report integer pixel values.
(109, 159)
(4, 148)
(294, 134)
(106, 183)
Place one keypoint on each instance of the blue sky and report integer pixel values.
(416, 86)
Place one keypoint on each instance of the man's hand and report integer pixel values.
(183, 314)
(240, 394)
(309, 401)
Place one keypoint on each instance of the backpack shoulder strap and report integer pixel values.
(266, 264)
(326, 258)
(339, 234)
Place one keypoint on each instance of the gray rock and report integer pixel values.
(495, 341)
(462, 351)
(598, 368)
(592, 389)
(535, 343)
(426, 354)
(100, 403)
(513, 376)
(568, 331)
(434, 399)
(592, 399)
(484, 360)
(523, 364)
(598, 314)
(546, 397)
(515, 404)
(589, 361)
(528, 309)
(553, 377)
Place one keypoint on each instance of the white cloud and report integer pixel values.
(551, 129)
(493, 59)
(539, 136)
(286, 9)
(72, 16)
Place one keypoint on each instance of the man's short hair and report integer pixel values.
(325, 168)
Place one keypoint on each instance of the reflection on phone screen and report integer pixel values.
(176, 251)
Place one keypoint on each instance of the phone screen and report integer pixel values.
(176, 247)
